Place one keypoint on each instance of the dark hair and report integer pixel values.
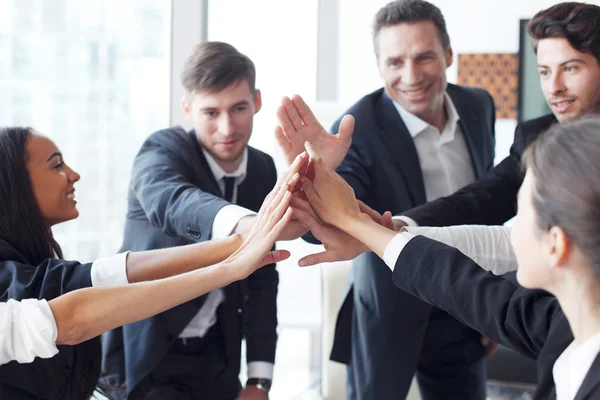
(579, 23)
(213, 66)
(566, 167)
(410, 11)
(21, 222)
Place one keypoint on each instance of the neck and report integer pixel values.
(439, 118)
(230, 166)
(579, 298)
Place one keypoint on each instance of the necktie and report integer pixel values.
(229, 186)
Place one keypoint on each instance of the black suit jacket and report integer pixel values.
(529, 321)
(173, 200)
(383, 168)
(51, 378)
(492, 200)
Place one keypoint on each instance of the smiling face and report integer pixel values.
(52, 180)
(570, 79)
(223, 121)
(412, 62)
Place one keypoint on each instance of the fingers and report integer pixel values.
(304, 111)
(305, 218)
(375, 216)
(317, 258)
(283, 142)
(284, 121)
(276, 231)
(295, 167)
(386, 220)
(275, 256)
(292, 113)
(303, 205)
(316, 167)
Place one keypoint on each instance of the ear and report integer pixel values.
(559, 247)
(186, 107)
(257, 100)
(449, 56)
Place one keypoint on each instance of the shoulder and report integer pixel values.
(171, 138)
(476, 97)
(364, 110)
(538, 125)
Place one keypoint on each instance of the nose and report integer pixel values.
(557, 84)
(73, 175)
(411, 74)
(225, 124)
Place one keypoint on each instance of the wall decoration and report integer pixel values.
(496, 73)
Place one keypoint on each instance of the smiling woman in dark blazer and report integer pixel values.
(37, 190)
(556, 238)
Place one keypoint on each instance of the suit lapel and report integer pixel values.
(590, 382)
(400, 143)
(213, 186)
(471, 129)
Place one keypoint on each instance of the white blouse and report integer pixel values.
(28, 328)
(488, 246)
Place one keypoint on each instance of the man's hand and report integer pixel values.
(339, 246)
(298, 124)
(252, 393)
(490, 346)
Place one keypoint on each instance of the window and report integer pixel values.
(94, 77)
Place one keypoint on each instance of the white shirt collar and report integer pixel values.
(220, 173)
(416, 125)
(572, 366)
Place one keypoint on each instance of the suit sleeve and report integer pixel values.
(261, 320)
(164, 189)
(48, 280)
(501, 310)
(491, 200)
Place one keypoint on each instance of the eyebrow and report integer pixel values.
(55, 154)
(572, 60)
(240, 103)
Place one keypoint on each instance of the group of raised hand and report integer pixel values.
(310, 194)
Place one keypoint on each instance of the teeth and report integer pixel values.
(564, 103)
(71, 196)
(414, 92)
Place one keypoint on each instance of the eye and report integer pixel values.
(570, 68)
(59, 164)
(210, 113)
(544, 72)
(241, 108)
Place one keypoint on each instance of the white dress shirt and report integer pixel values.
(488, 246)
(444, 157)
(28, 328)
(223, 224)
(572, 366)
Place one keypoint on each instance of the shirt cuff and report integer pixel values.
(226, 220)
(110, 271)
(408, 221)
(395, 247)
(260, 369)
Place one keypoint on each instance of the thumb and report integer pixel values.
(317, 258)
(274, 256)
(346, 128)
(386, 220)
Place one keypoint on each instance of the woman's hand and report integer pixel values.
(329, 195)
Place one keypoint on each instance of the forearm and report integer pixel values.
(86, 313)
(364, 229)
(162, 263)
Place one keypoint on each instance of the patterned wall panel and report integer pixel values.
(496, 73)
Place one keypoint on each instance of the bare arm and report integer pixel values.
(85, 313)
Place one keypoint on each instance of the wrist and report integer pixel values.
(262, 384)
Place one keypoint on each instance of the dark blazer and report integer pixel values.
(383, 168)
(529, 321)
(492, 200)
(173, 200)
(51, 378)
